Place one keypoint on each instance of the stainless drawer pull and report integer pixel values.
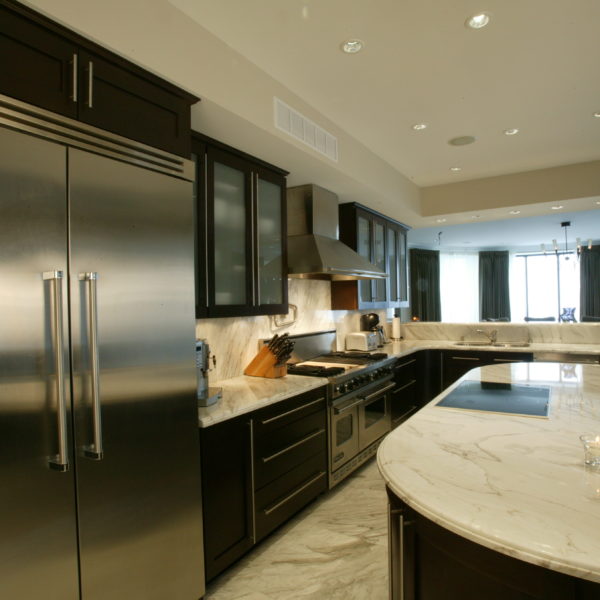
(410, 362)
(290, 412)
(273, 508)
(379, 392)
(506, 360)
(411, 382)
(312, 435)
(465, 358)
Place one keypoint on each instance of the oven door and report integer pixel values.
(343, 430)
(374, 415)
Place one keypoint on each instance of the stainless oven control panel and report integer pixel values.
(360, 380)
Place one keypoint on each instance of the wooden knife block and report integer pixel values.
(263, 365)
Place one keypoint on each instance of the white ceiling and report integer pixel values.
(535, 67)
(515, 234)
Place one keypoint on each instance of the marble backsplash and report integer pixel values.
(564, 333)
(234, 341)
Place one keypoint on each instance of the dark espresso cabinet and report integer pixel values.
(382, 241)
(407, 396)
(49, 66)
(455, 363)
(258, 470)
(241, 233)
(428, 562)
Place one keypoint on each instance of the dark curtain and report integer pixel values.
(425, 284)
(589, 262)
(494, 300)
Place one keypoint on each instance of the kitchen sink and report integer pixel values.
(494, 345)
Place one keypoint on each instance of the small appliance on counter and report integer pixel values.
(370, 322)
(362, 340)
(207, 396)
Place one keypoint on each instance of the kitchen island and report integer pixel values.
(488, 505)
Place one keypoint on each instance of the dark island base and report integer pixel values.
(428, 562)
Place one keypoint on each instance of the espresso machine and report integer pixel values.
(207, 395)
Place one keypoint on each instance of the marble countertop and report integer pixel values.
(514, 484)
(244, 394)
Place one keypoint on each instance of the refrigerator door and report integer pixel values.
(134, 382)
(38, 543)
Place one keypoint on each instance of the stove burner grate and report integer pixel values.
(314, 371)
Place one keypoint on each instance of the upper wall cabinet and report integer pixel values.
(242, 237)
(47, 65)
(382, 241)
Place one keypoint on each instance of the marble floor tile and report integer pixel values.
(334, 549)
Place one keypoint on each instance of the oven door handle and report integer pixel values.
(379, 392)
(339, 411)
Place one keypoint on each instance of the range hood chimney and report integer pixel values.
(314, 250)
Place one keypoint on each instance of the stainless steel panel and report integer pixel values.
(140, 506)
(38, 543)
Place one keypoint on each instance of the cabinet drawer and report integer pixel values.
(288, 446)
(405, 370)
(405, 401)
(279, 500)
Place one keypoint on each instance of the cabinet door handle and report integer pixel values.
(95, 450)
(90, 70)
(465, 358)
(252, 495)
(60, 462)
(291, 412)
(74, 72)
(505, 360)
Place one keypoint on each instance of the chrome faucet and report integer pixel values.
(491, 335)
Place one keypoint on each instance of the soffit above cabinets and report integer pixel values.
(532, 68)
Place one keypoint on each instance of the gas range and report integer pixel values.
(346, 371)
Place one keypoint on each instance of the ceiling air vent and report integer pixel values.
(298, 126)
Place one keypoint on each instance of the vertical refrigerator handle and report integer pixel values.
(95, 450)
(59, 462)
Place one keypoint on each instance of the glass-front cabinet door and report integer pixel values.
(229, 233)
(379, 260)
(364, 244)
(241, 233)
(271, 263)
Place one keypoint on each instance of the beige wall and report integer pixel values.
(544, 185)
(239, 97)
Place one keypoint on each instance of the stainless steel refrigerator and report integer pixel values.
(99, 453)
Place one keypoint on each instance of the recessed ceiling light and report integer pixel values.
(461, 140)
(478, 21)
(515, 212)
(475, 216)
(557, 207)
(419, 126)
(597, 114)
(455, 169)
(512, 131)
(597, 201)
(352, 46)
(441, 220)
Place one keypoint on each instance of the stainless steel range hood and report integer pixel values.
(314, 250)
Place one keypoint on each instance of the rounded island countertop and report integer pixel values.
(515, 484)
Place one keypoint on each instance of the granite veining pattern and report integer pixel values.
(514, 484)
(335, 549)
